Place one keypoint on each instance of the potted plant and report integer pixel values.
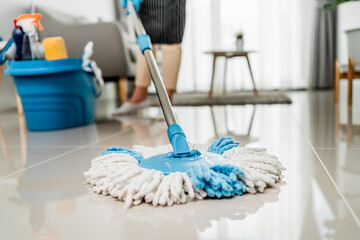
(240, 41)
(334, 3)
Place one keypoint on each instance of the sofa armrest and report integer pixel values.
(111, 51)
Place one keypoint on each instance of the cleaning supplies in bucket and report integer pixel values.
(55, 94)
(58, 92)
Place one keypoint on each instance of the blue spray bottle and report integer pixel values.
(18, 36)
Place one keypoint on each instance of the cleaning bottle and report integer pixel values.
(29, 23)
(18, 36)
(26, 48)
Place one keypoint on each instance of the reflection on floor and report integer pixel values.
(43, 196)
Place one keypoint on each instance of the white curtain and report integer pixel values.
(279, 30)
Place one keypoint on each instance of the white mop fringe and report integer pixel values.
(119, 175)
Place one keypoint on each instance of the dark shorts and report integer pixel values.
(164, 20)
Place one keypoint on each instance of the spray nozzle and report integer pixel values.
(27, 20)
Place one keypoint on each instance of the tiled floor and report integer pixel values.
(42, 195)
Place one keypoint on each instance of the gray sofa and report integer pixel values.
(114, 49)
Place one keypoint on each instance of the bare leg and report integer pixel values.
(142, 79)
(170, 93)
(171, 64)
(140, 94)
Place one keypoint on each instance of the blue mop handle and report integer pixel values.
(176, 135)
(145, 47)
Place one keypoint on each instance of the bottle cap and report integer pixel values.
(26, 21)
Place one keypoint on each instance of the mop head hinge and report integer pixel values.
(178, 142)
(192, 153)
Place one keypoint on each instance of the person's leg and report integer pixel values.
(171, 65)
(142, 79)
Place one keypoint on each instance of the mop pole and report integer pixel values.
(145, 46)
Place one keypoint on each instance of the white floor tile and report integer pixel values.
(43, 195)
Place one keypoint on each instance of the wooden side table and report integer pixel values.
(227, 55)
(18, 100)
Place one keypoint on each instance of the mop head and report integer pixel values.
(246, 170)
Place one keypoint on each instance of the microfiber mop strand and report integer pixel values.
(117, 173)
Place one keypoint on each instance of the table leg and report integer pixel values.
(122, 89)
(23, 138)
(349, 127)
(337, 122)
(251, 120)
(5, 149)
(216, 135)
(225, 74)
(212, 77)
(251, 74)
(20, 108)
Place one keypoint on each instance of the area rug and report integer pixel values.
(240, 98)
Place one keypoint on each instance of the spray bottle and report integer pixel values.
(29, 23)
(18, 36)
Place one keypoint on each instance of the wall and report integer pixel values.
(277, 30)
(348, 18)
(8, 11)
(89, 9)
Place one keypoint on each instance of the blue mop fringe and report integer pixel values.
(222, 144)
(222, 180)
(217, 181)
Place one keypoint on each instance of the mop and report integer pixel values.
(180, 171)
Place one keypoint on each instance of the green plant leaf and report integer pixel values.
(331, 6)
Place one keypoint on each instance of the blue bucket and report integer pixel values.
(55, 94)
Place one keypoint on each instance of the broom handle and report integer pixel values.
(154, 70)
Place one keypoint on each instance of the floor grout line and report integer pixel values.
(352, 212)
(64, 154)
